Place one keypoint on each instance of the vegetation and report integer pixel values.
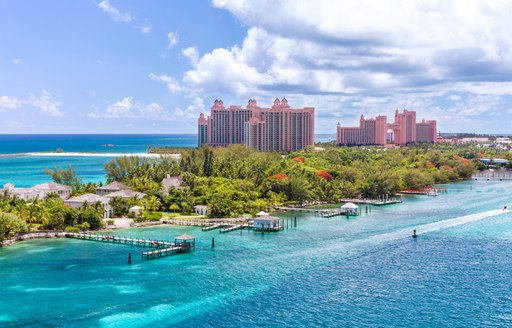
(51, 213)
(10, 224)
(236, 180)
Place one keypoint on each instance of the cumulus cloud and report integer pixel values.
(173, 85)
(114, 13)
(441, 58)
(127, 108)
(7, 102)
(172, 38)
(44, 103)
(192, 54)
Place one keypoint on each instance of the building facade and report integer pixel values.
(370, 132)
(279, 128)
(377, 131)
(426, 131)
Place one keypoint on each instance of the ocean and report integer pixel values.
(26, 171)
(364, 271)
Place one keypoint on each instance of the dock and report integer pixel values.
(232, 228)
(157, 248)
(140, 242)
(492, 175)
(429, 191)
(328, 213)
(160, 252)
(376, 202)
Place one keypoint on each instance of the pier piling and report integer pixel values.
(213, 242)
(129, 258)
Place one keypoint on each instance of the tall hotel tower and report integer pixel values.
(374, 131)
(279, 128)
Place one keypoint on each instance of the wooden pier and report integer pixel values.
(376, 202)
(492, 175)
(233, 228)
(140, 242)
(158, 248)
(328, 213)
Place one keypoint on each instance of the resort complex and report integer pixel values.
(376, 131)
(279, 128)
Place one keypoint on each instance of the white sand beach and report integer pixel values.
(90, 154)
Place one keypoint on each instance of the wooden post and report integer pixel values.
(295, 221)
(213, 242)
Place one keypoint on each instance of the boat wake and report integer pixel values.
(435, 226)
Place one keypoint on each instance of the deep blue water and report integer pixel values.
(122, 143)
(26, 171)
(358, 272)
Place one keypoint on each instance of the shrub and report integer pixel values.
(72, 229)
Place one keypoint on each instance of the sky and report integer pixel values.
(112, 66)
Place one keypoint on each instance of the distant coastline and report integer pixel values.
(87, 154)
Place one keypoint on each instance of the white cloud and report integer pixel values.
(172, 39)
(173, 85)
(192, 111)
(7, 102)
(17, 61)
(192, 54)
(114, 13)
(126, 108)
(13, 124)
(146, 28)
(120, 109)
(44, 103)
(444, 59)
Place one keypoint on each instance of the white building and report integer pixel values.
(266, 222)
(91, 199)
(111, 187)
(201, 209)
(126, 194)
(39, 191)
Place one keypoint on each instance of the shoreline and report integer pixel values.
(87, 154)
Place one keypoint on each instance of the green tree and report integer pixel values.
(66, 177)
(10, 224)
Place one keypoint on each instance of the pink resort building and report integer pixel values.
(376, 131)
(279, 128)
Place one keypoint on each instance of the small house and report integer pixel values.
(201, 209)
(111, 187)
(172, 182)
(350, 209)
(266, 222)
(136, 210)
(91, 199)
(126, 194)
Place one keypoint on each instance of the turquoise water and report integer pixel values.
(26, 171)
(358, 272)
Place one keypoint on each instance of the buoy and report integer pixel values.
(414, 235)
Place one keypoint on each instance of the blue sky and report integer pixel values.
(111, 66)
